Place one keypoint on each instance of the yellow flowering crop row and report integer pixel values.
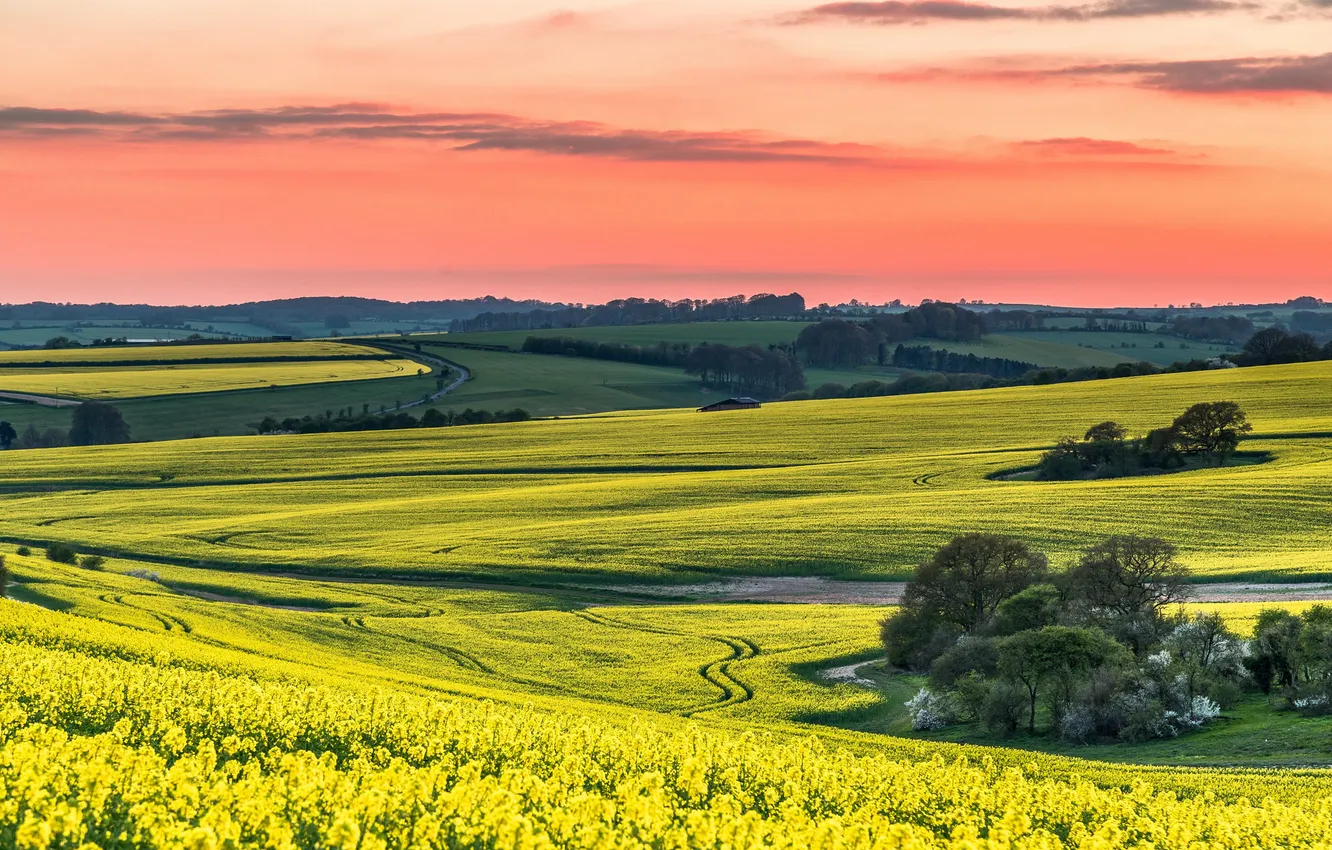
(109, 752)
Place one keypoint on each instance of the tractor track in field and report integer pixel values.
(718, 674)
(926, 480)
(462, 659)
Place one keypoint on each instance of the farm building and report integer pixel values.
(730, 404)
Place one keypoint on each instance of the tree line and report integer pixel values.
(1272, 346)
(93, 423)
(1210, 430)
(1097, 652)
(751, 369)
(670, 354)
(842, 344)
(923, 358)
(637, 311)
(347, 420)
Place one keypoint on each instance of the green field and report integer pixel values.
(1043, 352)
(228, 352)
(174, 417)
(843, 488)
(545, 385)
(694, 333)
(1134, 345)
(190, 390)
(37, 333)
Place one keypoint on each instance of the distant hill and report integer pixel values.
(284, 315)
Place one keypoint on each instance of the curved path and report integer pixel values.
(39, 400)
(718, 674)
(464, 374)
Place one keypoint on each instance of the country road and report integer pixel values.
(464, 374)
(39, 400)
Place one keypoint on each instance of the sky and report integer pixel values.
(1095, 153)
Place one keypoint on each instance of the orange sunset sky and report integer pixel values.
(1101, 153)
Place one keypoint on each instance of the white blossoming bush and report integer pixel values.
(928, 710)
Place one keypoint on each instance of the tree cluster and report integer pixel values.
(346, 420)
(93, 423)
(1271, 346)
(638, 311)
(1210, 430)
(1305, 321)
(1227, 329)
(1094, 651)
(839, 344)
(752, 370)
(1291, 656)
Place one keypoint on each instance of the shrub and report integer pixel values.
(929, 711)
(24, 551)
(92, 562)
(1004, 708)
(61, 553)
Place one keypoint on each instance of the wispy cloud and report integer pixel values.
(470, 132)
(1278, 75)
(462, 131)
(899, 12)
(1085, 147)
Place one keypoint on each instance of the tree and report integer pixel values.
(969, 576)
(1159, 449)
(1125, 575)
(836, 344)
(1276, 648)
(1264, 346)
(1104, 445)
(1316, 646)
(7, 435)
(97, 423)
(1036, 607)
(35, 438)
(58, 342)
(432, 418)
(1062, 463)
(1212, 428)
(1055, 655)
(1275, 345)
(61, 553)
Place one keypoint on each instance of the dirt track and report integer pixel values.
(40, 400)
(815, 590)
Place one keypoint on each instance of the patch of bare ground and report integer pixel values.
(816, 590)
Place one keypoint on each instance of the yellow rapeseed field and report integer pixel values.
(232, 688)
(103, 383)
(104, 744)
(158, 353)
(137, 372)
(846, 488)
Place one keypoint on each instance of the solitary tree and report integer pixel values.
(969, 576)
(7, 435)
(97, 423)
(1212, 428)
